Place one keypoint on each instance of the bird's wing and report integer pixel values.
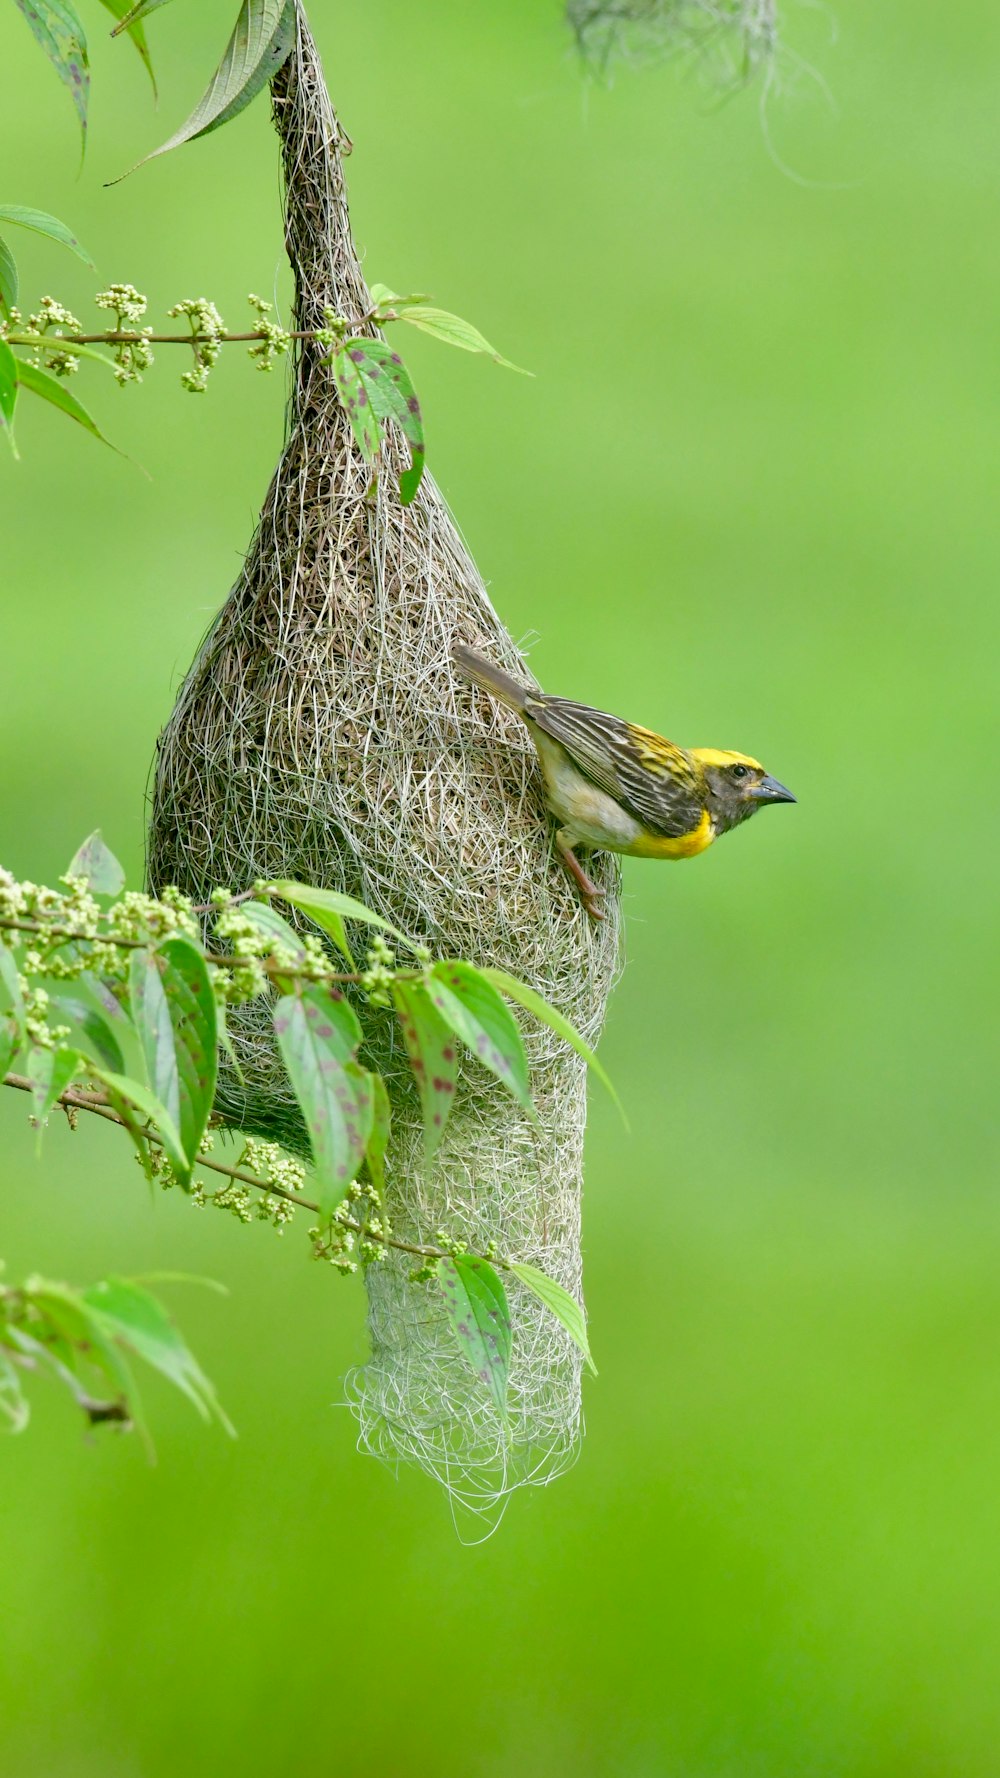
(650, 777)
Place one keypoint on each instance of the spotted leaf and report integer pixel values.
(354, 395)
(392, 397)
(173, 1008)
(473, 1009)
(56, 26)
(316, 1037)
(433, 1052)
(477, 1308)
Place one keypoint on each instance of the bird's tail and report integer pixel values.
(493, 679)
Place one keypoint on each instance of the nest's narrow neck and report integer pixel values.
(317, 222)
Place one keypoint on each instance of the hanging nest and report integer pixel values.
(321, 735)
(731, 38)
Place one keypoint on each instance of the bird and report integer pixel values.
(621, 788)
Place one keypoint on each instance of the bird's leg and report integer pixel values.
(590, 894)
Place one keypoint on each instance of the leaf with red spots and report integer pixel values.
(55, 25)
(433, 1052)
(473, 1009)
(316, 1037)
(354, 396)
(393, 397)
(174, 1011)
(477, 1307)
(532, 1002)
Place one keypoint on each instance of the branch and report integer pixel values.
(73, 1100)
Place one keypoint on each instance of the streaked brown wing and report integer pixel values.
(650, 777)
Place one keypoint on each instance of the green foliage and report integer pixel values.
(135, 29)
(8, 393)
(441, 324)
(41, 223)
(49, 389)
(123, 996)
(261, 40)
(84, 1340)
(96, 865)
(563, 1306)
(533, 1002)
(477, 1306)
(473, 1009)
(57, 27)
(318, 1037)
(375, 385)
(433, 1052)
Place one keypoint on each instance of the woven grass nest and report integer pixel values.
(731, 39)
(321, 734)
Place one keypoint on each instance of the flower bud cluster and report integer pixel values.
(132, 356)
(207, 330)
(276, 340)
(378, 977)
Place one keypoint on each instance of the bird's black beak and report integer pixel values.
(770, 791)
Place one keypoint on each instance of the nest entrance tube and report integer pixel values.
(321, 734)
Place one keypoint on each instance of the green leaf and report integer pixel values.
(563, 1306)
(73, 1337)
(477, 1308)
(13, 1402)
(136, 14)
(98, 866)
(151, 1018)
(476, 1014)
(193, 1015)
(41, 223)
(67, 1009)
(450, 328)
(8, 277)
(261, 40)
(357, 406)
(534, 1003)
(268, 920)
(133, 1316)
(136, 31)
(173, 1008)
(8, 393)
(56, 26)
(8, 1044)
(328, 905)
(431, 1047)
(56, 393)
(391, 395)
(378, 1141)
(50, 1072)
(121, 1086)
(9, 980)
(335, 1095)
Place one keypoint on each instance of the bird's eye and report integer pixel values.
(740, 771)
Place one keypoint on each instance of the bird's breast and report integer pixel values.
(682, 845)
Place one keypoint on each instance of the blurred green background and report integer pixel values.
(749, 499)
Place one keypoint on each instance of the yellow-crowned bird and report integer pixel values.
(613, 785)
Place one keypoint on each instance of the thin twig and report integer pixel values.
(95, 1103)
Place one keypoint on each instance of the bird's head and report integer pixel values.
(736, 786)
